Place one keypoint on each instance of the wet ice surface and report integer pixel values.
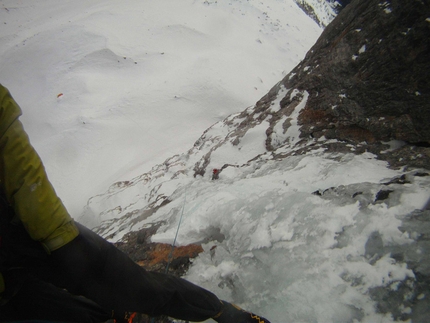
(339, 257)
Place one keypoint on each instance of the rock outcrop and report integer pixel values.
(366, 79)
(368, 74)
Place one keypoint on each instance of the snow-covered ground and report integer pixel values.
(111, 88)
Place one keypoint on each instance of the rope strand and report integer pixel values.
(170, 257)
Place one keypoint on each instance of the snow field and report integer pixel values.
(139, 80)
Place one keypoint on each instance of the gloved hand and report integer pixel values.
(81, 262)
(94, 268)
(232, 313)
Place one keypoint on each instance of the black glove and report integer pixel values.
(96, 269)
(81, 262)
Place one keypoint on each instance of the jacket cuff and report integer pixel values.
(61, 237)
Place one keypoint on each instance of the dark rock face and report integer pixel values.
(368, 74)
(366, 83)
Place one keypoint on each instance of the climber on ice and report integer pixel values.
(54, 269)
(215, 173)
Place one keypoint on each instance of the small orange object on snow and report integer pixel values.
(59, 95)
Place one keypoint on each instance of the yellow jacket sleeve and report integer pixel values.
(24, 182)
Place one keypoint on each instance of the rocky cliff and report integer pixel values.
(367, 81)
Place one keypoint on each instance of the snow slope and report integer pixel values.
(110, 88)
